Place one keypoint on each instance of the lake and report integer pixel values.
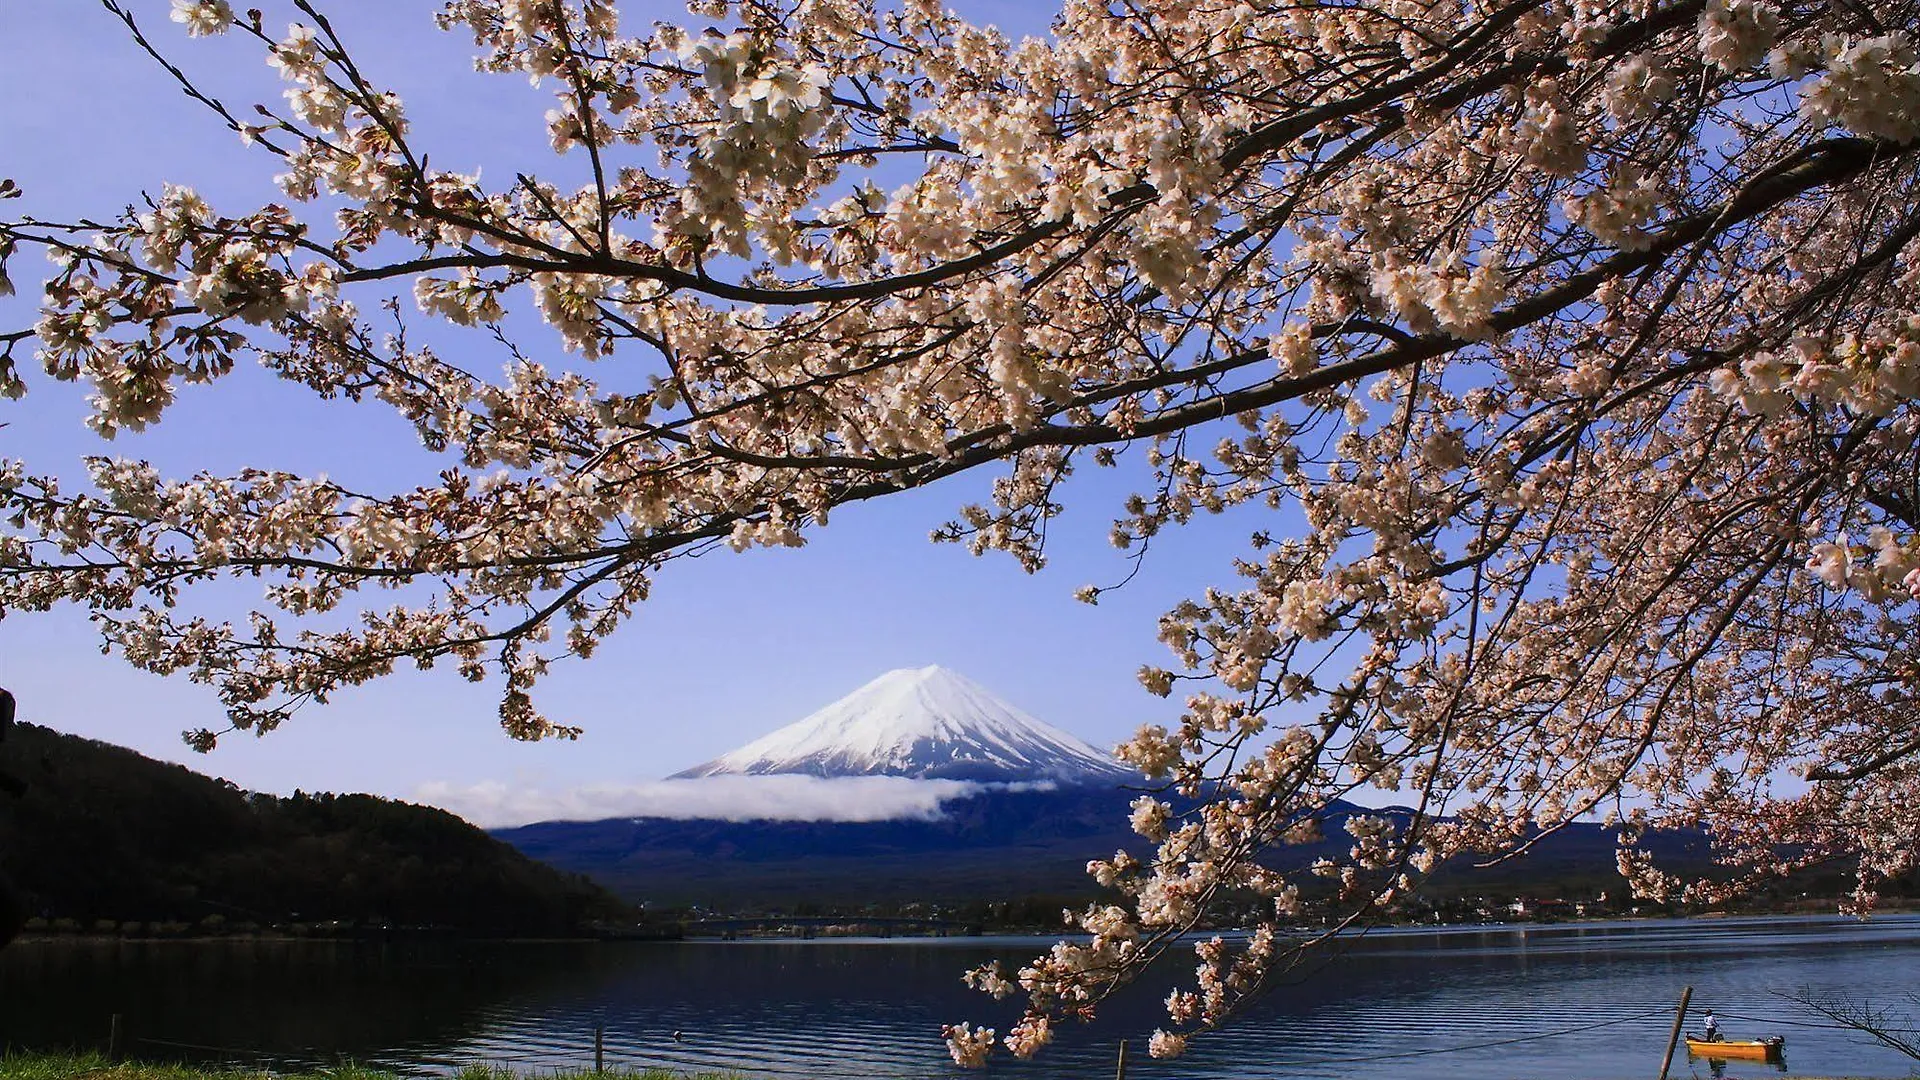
(1583, 1001)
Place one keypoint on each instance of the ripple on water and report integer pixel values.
(1472, 1002)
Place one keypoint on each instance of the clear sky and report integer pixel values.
(730, 647)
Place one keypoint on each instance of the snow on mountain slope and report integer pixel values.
(928, 723)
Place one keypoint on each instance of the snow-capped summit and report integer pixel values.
(927, 723)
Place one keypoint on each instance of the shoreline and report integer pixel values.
(986, 934)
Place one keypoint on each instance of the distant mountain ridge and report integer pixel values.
(928, 723)
(993, 845)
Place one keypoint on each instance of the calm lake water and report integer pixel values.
(1471, 1003)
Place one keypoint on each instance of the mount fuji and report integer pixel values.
(927, 723)
(1032, 803)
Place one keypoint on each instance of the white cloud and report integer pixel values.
(495, 805)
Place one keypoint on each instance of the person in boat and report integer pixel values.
(1712, 1027)
(13, 909)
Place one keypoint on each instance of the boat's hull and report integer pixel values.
(1746, 1050)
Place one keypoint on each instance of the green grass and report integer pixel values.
(97, 1067)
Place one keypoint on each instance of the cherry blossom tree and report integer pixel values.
(1579, 337)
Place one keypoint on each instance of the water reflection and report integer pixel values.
(1472, 1004)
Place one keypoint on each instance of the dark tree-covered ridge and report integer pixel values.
(104, 833)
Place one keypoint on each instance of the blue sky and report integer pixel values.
(729, 647)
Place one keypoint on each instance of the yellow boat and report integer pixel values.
(1767, 1049)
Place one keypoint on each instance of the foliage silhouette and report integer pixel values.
(103, 833)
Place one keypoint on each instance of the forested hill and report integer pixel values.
(105, 833)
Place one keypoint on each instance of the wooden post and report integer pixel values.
(1673, 1040)
(1120, 1071)
(113, 1038)
(599, 1047)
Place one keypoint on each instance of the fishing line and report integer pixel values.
(1790, 1023)
(1473, 1046)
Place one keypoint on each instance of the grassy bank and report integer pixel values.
(97, 1067)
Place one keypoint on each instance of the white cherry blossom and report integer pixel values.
(1570, 346)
